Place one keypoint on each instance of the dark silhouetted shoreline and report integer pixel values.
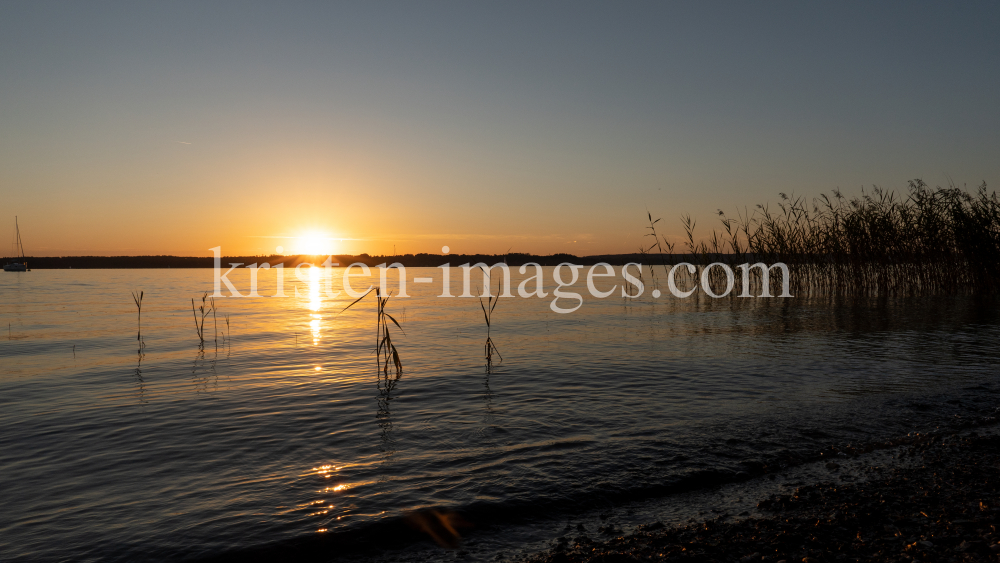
(407, 260)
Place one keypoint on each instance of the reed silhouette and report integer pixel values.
(656, 244)
(488, 308)
(385, 350)
(137, 297)
(215, 321)
(207, 306)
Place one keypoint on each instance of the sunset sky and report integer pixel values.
(172, 127)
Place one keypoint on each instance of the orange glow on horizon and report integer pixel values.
(314, 244)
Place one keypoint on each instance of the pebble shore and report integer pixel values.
(940, 503)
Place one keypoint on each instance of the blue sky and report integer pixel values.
(150, 128)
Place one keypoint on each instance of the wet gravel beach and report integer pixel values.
(938, 500)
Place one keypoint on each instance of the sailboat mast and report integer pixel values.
(19, 245)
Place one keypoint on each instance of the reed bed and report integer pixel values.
(940, 241)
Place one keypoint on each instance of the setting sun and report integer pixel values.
(314, 244)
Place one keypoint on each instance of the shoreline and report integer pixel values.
(934, 499)
(421, 260)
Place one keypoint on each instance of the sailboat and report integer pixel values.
(21, 266)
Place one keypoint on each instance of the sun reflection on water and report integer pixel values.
(315, 303)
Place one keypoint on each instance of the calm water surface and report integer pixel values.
(284, 427)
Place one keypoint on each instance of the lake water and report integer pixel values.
(284, 433)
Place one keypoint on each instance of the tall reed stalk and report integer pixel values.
(137, 297)
(488, 314)
(656, 244)
(385, 350)
(207, 306)
(215, 321)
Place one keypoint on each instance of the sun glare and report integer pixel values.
(314, 244)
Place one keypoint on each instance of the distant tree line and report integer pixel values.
(408, 260)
